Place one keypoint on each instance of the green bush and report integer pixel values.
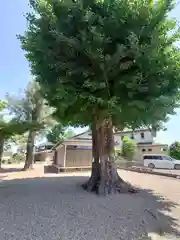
(118, 153)
(129, 148)
(174, 150)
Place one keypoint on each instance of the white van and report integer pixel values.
(160, 161)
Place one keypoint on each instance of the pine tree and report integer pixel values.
(32, 109)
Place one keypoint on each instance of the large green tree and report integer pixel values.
(31, 108)
(105, 63)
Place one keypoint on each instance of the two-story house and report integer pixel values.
(141, 136)
(144, 137)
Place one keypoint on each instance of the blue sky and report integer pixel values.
(14, 69)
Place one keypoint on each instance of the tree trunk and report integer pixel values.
(30, 151)
(1, 150)
(104, 177)
(91, 185)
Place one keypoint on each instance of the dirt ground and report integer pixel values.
(42, 206)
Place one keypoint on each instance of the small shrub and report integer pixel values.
(129, 148)
(118, 156)
(118, 153)
(174, 150)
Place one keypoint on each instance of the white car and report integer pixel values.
(160, 161)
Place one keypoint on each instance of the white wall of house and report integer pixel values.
(144, 136)
(140, 136)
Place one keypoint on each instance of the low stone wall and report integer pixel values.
(150, 171)
(57, 169)
(126, 163)
(51, 169)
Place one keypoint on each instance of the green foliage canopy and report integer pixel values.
(13, 126)
(59, 133)
(31, 108)
(2, 105)
(105, 57)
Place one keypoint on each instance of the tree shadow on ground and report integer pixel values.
(160, 214)
(141, 213)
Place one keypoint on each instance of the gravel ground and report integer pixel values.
(35, 206)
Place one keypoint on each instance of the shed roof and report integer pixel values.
(71, 142)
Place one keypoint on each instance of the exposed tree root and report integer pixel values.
(104, 187)
(27, 167)
(104, 176)
(101, 188)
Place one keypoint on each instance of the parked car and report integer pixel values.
(160, 161)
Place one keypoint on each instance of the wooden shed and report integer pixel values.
(73, 154)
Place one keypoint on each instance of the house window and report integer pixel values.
(143, 150)
(163, 149)
(149, 150)
(157, 157)
(142, 135)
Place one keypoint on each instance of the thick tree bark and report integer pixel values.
(91, 184)
(30, 151)
(104, 177)
(1, 149)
